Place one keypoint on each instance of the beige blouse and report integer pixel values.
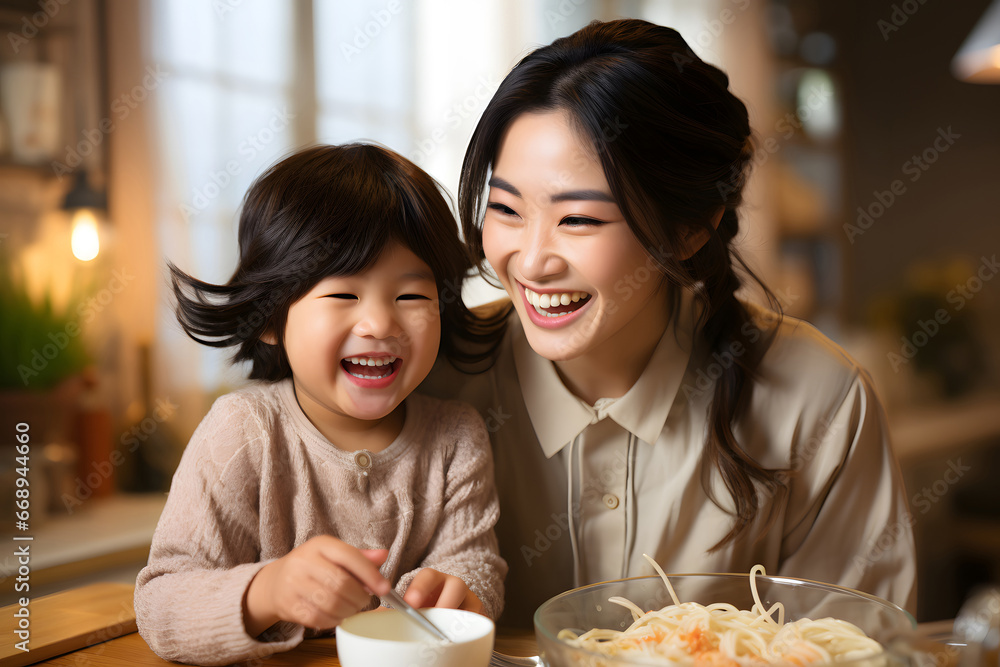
(586, 490)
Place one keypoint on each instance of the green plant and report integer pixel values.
(933, 318)
(39, 345)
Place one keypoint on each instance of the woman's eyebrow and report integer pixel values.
(584, 195)
(497, 182)
(571, 195)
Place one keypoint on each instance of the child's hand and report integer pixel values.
(318, 584)
(431, 588)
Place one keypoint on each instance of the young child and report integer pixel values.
(294, 492)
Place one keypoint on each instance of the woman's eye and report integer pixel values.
(500, 208)
(342, 296)
(578, 222)
(413, 297)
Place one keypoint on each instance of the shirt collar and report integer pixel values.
(558, 416)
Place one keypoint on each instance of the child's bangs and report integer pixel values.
(355, 216)
(380, 199)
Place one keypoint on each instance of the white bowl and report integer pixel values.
(386, 638)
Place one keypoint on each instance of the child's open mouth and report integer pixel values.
(371, 368)
(556, 304)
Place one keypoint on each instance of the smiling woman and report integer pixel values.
(553, 229)
(643, 407)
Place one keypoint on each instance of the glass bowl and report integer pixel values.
(586, 608)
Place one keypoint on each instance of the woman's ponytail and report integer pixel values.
(726, 328)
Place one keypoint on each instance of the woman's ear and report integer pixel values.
(268, 338)
(696, 237)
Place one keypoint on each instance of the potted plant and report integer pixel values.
(41, 357)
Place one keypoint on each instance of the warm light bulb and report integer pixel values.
(85, 241)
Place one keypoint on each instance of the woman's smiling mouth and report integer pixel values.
(553, 309)
(554, 304)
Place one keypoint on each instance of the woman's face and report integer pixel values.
(578, 277)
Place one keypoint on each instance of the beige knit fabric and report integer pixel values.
(258, 479)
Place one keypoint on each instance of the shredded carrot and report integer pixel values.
(713, 659)
(657, 636)
(699, 641)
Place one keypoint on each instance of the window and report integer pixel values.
(248, 81)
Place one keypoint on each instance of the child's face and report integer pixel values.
(358, 345)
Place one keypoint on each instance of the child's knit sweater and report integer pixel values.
(258, 479)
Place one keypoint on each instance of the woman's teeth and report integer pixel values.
(554, 300)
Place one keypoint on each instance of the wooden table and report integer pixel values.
(94, 626)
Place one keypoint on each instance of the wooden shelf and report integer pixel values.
(43, 170)
(105, 533)
(944, 427)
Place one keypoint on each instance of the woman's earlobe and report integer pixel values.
(696, 237)
(268, 338)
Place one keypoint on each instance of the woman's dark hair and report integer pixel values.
(676, 147)
(326, 211)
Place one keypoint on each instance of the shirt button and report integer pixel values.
(363, 460)
(610, 501)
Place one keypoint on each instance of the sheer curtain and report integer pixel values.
(225, 111)
(248, 81)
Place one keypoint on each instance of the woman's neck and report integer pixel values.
(611, 368)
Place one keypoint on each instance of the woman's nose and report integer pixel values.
(538, 257)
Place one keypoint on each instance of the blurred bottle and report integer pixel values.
(61, 460)
(145, 444)
(978, 627)
(92, 430)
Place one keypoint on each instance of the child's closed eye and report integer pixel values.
(342, 296)
(413, 297)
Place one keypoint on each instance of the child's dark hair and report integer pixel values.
(326, 211)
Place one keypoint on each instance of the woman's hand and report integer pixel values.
(317, 584)
(431, 588)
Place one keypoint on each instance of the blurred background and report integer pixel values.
(129, 132)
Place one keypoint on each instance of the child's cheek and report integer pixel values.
(428, 320)
(424, 329)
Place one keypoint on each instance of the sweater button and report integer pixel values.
(363, 460)
(610, 501)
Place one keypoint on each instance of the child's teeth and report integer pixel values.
(371, 361)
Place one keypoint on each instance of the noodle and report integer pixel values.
(720, 635)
